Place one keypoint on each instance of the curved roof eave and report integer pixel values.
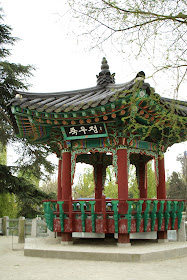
(56, 94)
(57, 101)
(75, 92)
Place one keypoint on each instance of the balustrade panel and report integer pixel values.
(157, 215)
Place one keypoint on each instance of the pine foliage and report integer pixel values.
(28, 195)
(32, 160)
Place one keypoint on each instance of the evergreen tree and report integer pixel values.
(13, 77)
(177, 182)
(177, 187)
(32, 160)
(27, 195)
(8, 204)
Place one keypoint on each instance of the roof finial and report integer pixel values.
(104, 76)
(104, 66)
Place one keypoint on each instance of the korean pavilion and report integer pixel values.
(109, 124)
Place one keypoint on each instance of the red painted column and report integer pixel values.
(122, 178)
(59, 195)
(161, 193)
(66, 187)
(161, 188)
(99, 187)
(122, 189)
(143, 180)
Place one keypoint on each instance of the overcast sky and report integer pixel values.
(64, 61)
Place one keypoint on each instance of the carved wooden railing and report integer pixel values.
(141, 215)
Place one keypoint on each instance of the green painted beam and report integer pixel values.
(153, 214)
(160, 214)
(116, 215)
(128, 216)
(83, 216)
(62, 216)
(146, 214)
(167, 213)
(92, 203)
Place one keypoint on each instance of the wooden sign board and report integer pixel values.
(84, 131)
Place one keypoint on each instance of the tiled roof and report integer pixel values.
(180, 106)
(71, 100)
(105, 92)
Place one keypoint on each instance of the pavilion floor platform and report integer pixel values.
(104, 250)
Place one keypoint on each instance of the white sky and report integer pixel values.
(64, 61)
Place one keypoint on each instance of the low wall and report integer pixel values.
(24, 227)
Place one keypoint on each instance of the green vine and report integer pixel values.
(150, 118)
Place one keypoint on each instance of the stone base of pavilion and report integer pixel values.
(104, 249)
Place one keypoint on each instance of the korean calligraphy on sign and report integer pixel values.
(84, 131)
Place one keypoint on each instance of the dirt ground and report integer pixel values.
(14, 266)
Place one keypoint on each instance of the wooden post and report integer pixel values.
(71, 213)
(104, 214)
(122, 179)
(66, 188)
(98, 187)
(161, 194)
(66, 178)
(143, 180)
(59, 195)
(122, 189)
(161, 188)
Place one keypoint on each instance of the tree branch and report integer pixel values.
(160, 17)
(5, 116)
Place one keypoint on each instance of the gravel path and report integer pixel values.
(14, 266)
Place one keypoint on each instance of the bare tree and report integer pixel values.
(152, 29)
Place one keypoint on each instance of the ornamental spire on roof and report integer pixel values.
(105, 77)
